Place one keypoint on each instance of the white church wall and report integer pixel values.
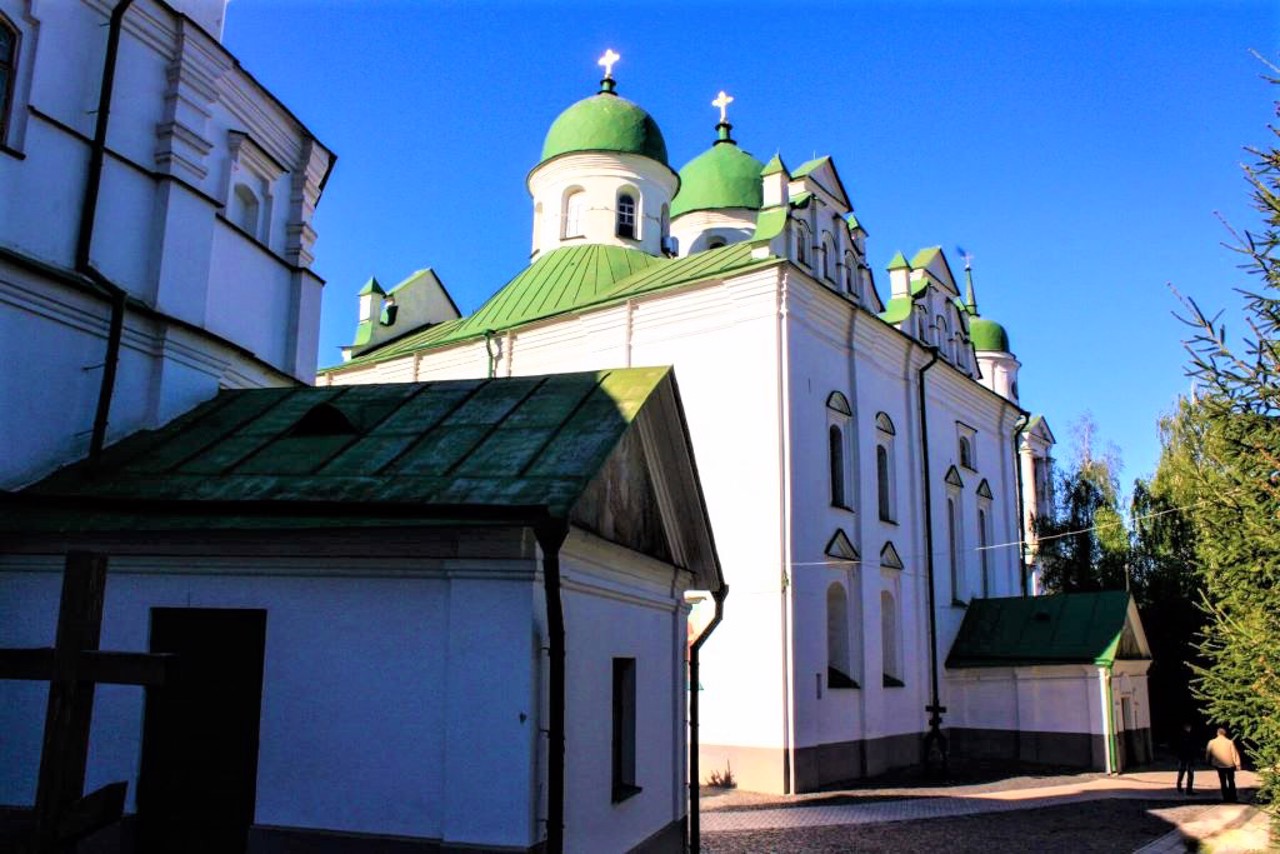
(178, 96)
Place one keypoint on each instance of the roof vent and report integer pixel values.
(324, 419)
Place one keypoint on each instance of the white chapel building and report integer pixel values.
(868, 463)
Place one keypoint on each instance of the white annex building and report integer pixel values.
(868, 463)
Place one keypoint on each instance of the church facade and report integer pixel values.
(868, 464)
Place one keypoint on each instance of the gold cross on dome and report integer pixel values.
(722, 101)
(607, 61)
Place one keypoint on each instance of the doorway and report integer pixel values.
(197, 785)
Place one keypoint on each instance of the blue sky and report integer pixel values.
(1081, 152)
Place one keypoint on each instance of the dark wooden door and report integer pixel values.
(198, 780)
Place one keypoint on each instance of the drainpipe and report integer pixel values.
(551, 537)
(1104, 693)
(934, 737)
(84, 241)
(488, 348)
(1023, 420)
(695, 778)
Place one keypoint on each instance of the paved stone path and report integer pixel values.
(1214, 819)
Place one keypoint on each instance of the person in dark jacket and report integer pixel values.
(1188, 750)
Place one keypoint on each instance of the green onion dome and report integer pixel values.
(605, 122)
(988, 335)
(724, 176)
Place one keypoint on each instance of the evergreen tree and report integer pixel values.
(1233, 443)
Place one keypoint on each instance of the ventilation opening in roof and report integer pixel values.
(324, 419)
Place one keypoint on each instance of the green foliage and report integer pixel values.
(1230, 437)
(1084, 546)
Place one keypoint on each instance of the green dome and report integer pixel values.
(605, 122)
(988, 335)
(724, 176)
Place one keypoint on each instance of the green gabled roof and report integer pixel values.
(925, 256)
(371, 287)
(1067, 628)
(898, 262)
(852, 222)
(572, 279)
(774, 166)
(453, 449)
(605, 122)
(799, 200)
(809, 166)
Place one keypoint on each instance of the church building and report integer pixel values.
(869, 466)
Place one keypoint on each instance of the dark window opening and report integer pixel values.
(626, 216)
(8, 71)
(624, 729)
(836, 442)
(882, 483)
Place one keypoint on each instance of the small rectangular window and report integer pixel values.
(624, 729)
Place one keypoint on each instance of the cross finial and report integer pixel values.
(722, 101)
(607, 62)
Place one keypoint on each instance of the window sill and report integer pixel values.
(838, 681)
(956, 603)
(889, 521)
(625, 791)
(12, 152)
(844, 507)
(893, 682)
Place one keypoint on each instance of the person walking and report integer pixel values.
(1222, 754)
(1188, 751)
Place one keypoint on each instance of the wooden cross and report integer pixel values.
(722, 101)
(72, 667)
(607, 62)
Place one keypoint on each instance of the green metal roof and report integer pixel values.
(371, 287)
(1067, 628)
(897, 310)
(807, 167)
(723, 176)
(770, 222)
(924, 256)
(774, 166)
(898, 262)
(447, 449)
(571, 279)
(605, 122)
(987, 335)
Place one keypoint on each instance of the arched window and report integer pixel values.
(966, 453)
(835, 441)
(627, 215)
(802, 243)
(716, 242)
(850, 270)
(839, 421)
(884, 467)
(889, 641)
(575, 205)
(8, 72)
(839, 666)
(245, 209)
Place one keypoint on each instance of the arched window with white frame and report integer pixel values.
(573, 213)
(839, 422)
(885, 486)
(245, 209)
(802, 243)
(839, 663)
(628, 215)
(891, 660)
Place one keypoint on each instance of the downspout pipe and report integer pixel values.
(934, 738)
(1023, 420)
(84, 240)
(695, 773)
(551, 537)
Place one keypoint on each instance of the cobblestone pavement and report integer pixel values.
(736, 814)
